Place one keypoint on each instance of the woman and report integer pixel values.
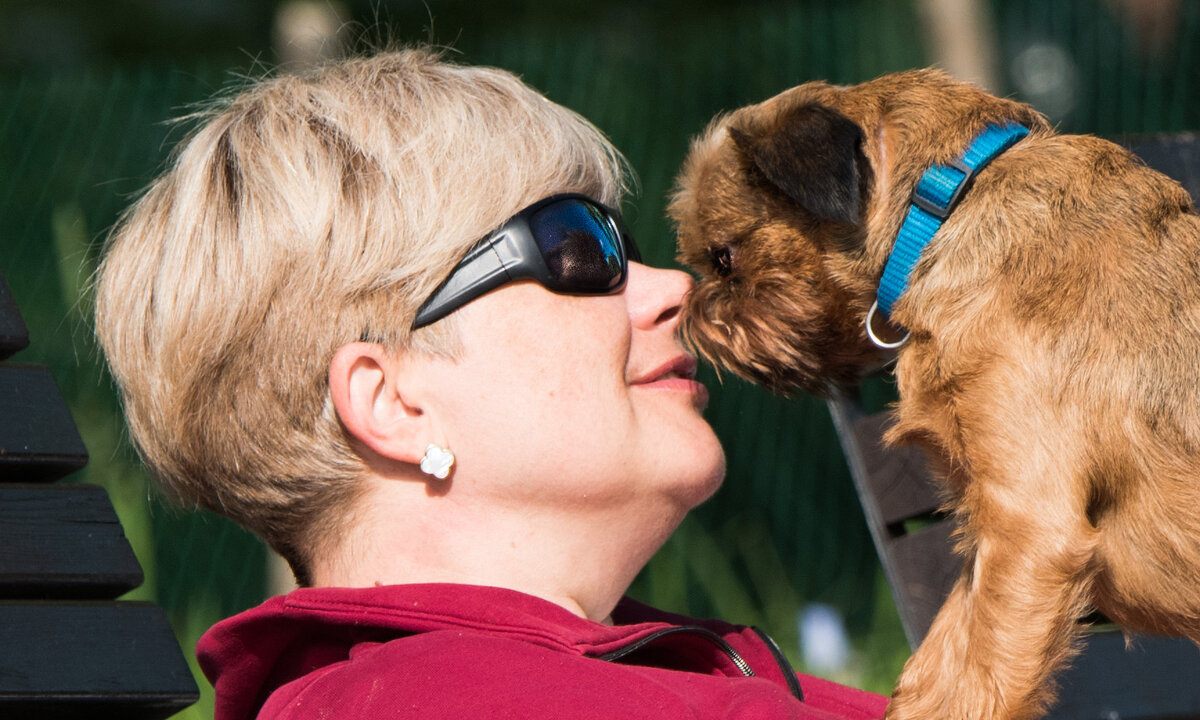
(384, 316)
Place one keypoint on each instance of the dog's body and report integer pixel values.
(1052, 365)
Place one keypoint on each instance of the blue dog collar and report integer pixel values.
(937, 193)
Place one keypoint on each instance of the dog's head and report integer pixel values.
(787, 211)
(769, 212)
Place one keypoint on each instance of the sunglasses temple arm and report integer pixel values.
(482, 270)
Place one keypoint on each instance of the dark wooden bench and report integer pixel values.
(1157, 678)
(68, 647)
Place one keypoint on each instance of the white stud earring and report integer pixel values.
(437, 461)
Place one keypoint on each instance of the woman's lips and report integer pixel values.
(676, 375)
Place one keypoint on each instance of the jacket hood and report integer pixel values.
(250, 655)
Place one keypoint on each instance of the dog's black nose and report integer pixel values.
(722, 260)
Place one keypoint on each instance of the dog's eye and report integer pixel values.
(722, 260)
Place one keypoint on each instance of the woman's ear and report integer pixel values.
(365, 384)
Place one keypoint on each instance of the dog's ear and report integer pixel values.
(812, 155)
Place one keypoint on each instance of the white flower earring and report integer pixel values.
(437, 462)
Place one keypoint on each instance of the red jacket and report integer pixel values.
(462, 652)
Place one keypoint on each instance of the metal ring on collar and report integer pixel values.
(875, 339)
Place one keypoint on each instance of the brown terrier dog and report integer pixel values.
(1054, 324)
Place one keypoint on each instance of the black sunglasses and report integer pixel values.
(569, 243)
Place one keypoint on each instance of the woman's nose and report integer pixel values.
(655, 295)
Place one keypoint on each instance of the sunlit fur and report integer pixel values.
(1051, 371)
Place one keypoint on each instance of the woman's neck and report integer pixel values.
(582, 561)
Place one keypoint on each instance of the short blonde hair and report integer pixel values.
(303, 213)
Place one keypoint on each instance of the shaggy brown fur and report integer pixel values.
(1055, 324)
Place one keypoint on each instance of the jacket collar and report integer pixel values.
(248, 656)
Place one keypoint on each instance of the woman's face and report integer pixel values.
(579, 401)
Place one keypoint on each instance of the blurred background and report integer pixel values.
(89, 90)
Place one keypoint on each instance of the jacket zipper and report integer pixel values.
(781, 660)
(734, 656)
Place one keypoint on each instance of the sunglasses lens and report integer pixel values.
(581, 247)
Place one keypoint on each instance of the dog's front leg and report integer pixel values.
(1011, 619)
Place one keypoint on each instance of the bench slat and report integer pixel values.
(38, 439)
(14, 336)
(63, 541)
(1155, 678)
(1175, 155)
(925, 567)
(901, 482)
(62, 659)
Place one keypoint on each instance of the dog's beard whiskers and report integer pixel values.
(761, 344)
